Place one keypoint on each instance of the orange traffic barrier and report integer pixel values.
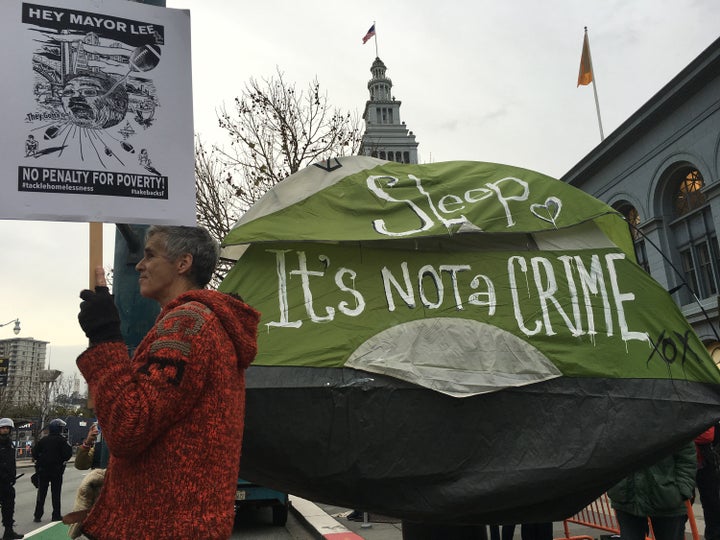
(600, 515)
(691, 521)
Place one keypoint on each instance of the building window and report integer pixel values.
(688, 195)
(632, 216)
(700, 267)
(688, 267)
(706, 275)
(714, 350)
(693, 234)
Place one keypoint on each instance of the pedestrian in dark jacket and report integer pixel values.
(708, 481)
(8, 473)
(657, 492)
(50, 455)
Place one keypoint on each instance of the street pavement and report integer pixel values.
(374, 527)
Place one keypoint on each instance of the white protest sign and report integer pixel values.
(97, 112)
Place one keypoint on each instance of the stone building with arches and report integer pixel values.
(661, 169)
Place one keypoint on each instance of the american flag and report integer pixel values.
(370, 33)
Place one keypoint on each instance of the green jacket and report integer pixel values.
(658, 490)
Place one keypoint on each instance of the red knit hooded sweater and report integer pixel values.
(173, 417)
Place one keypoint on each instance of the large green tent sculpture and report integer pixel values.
(456, 342)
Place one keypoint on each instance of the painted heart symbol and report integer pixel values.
(549, 211)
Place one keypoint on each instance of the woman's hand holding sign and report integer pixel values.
(98, 315)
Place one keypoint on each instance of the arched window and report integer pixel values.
(693, 233)
(632, 216)
(714, 350)
(688, 195)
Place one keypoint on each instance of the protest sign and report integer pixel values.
(97, 113)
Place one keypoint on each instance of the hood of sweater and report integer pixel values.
(239, 320)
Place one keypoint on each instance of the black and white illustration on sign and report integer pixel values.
(95, 102)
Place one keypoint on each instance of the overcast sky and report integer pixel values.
(482, 80)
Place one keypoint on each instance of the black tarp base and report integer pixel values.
(528, 454)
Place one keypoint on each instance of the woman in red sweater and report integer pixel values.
(183, 386)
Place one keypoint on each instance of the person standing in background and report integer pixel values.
(657, 492)
(50, 454)
(8, 474)
(90, 453)
(708, 480)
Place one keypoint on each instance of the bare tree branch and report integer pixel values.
(274, 131)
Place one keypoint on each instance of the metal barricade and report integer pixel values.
(600, 515)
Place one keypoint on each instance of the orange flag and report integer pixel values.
(586, 75)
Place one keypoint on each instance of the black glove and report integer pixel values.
(98, 316)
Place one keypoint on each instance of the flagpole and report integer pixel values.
(377, 55)
(597, 103)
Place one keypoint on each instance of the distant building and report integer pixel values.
(661, 170)
(385, 137)
(26, 361)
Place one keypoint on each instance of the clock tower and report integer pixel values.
(385, 137)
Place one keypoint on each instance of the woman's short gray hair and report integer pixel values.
(196, 241)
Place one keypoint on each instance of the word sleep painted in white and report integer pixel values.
(454, 286)
(502, 192)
